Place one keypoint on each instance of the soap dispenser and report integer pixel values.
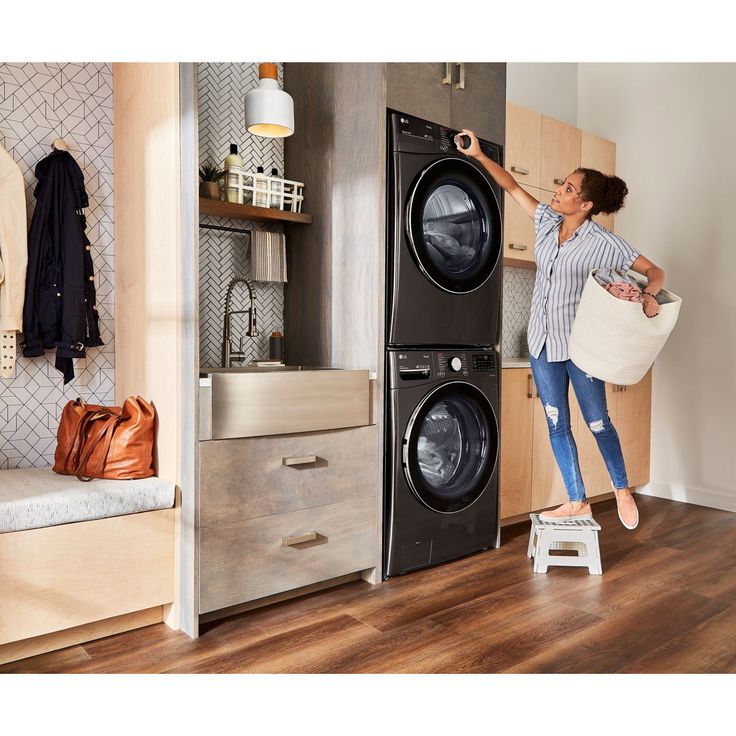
(233, 165)
(260, 186)
(277, 189)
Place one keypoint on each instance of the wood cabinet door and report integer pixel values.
(518, 231)
(600, 154)
(548, 488)
(516, 442)
(560, 152)
(417, 89)
(523, 144)
(480, 106)
(633, 423)
(595, 473)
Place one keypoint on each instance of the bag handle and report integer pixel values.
(105, 435)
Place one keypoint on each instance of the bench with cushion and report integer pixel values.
(81, 560)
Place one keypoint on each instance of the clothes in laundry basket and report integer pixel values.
(612, 339)
(624, 286)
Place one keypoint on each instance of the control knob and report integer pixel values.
(455, 364)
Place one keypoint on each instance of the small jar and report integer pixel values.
(276, 346)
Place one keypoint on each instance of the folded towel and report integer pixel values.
(268, 256)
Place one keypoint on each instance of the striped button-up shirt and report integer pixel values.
(561, 275)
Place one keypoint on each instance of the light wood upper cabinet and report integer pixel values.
(598, 153)
(518, 232)
(517, 424)
(523, 144)
(560, 152)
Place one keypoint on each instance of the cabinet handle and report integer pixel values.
(531, 392)
(292, 461)
(301, 539)
(517, 246)
(520, 170)
(461, 83)
(559, 181)
(447, 79)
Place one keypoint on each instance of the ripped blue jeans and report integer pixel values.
(552, 380)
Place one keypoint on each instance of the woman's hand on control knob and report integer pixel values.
(473, 149)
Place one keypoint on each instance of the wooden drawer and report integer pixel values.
(248, 560)
(247, 478)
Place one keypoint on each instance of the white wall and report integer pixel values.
(550, 88)
(674, 128)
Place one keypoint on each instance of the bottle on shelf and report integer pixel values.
(260, 187)
(277, 189)
(233, 165)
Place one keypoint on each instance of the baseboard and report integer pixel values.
(688, 494)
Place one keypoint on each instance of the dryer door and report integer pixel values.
(450, 448)
(453, 224)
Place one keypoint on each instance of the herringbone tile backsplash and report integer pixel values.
(518, 285)
(223, 256)
(40, 102)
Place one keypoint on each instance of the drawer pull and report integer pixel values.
(293, 541)
(559, 181)
(292, 461)
(520, 170)
(447, 79)
(517, 246)
(532, 392)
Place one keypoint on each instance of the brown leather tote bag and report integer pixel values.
(113, 442)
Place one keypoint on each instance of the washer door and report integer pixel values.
(450, 447)
(453, 225)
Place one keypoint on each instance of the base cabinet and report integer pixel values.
(530, 479)
(281, 512)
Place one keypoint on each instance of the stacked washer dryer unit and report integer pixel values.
(443, 303)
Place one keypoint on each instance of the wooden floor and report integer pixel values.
(666, 602)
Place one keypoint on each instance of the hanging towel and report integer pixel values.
(268, 256)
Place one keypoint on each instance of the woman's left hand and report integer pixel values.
(651, 308)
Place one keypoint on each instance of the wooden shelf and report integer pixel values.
(249, 212)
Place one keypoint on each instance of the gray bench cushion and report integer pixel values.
(38, 497)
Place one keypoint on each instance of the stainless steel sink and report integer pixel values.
(255, 369)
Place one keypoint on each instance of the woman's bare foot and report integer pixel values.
(627, 511)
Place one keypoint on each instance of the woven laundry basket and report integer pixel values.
(613, 340)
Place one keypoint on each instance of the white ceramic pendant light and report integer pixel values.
(269, 111)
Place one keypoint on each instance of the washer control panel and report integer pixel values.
(423, 365)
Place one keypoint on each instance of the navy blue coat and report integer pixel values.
(59, 310)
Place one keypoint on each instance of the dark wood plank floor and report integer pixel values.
(666, 602)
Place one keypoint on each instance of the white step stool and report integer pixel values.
(576, 534)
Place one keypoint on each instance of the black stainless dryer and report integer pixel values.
(444, 239)
(442, 454)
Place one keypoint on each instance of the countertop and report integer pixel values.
(515, 363)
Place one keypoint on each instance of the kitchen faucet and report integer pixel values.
(228, 354)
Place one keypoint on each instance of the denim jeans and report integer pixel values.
(552, 380)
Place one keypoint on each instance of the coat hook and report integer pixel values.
(60, 144)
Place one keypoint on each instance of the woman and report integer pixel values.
(569, 245)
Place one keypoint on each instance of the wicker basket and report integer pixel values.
(613, 340)
(266, 191)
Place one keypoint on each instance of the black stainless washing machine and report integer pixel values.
(442, 455)
(444, 239)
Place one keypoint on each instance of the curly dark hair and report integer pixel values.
(607, 193)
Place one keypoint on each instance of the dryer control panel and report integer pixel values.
(410, 365)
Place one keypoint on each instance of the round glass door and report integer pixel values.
(451, 447)
(454, 225)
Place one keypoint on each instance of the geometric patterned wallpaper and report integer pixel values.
(40, 102)
(518, 285)
(222, 255)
